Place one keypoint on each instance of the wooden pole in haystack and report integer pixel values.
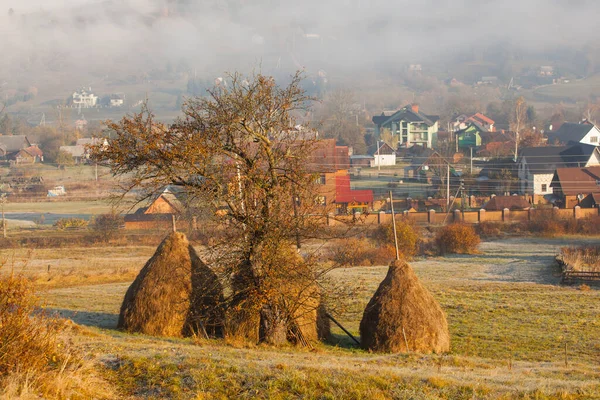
(394, 225)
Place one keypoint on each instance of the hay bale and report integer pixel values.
(403, 312)
(174, 293)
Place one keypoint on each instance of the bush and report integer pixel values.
(457, 238)
(355, 251)
(107, 225)
(408, 238)
(70, 223)
(35, 356)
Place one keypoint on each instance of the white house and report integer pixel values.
(116, 100)
(536, 165)
(85, 98)
(384, 155)
(412, 127)
(570, 133)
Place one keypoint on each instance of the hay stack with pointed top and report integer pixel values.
(175, 294)
(403, 316)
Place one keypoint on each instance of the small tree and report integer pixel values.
(107, 225)
(236, 148)
(64, 158)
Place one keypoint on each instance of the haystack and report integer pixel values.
(403, 316)
(175, 293)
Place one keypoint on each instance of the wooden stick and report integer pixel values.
(342, 328)
(394, 224)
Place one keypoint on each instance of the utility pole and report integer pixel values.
(394, 225)
(3, 201)
(448, 188)
(471, 160)
(378, 157)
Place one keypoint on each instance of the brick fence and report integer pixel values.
(473, 217)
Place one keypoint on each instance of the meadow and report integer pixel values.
(516, 333)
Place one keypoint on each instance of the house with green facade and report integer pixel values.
(470, 136)
(412, 127)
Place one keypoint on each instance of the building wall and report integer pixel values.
(542, 179)
(161, 206)
(592, 137)
(383, 159)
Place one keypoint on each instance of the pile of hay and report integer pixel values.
(403, 316)
(175, 294)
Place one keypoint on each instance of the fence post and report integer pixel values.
(431, 216)
(505, 215)
(577, 212)
(456, 215)
(529, 213)
(329, 219)
(480, 215)
(380, 217)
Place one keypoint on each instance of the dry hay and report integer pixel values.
(404, 313)
(175, 294)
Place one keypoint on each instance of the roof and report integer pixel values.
(140, 217)
(482, 118)
(573, 181)
(74, 151)
(545, 160)
(34, 151)
(384, 149)
(345, 194)
(499, 203)
(569, 133)
(89, 141)
(15, 142)
(406, 114)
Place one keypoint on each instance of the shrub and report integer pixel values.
(355, 251)
(408, 237)
(70, 223)
(35, 356)
(546, 223)
(457, 238)
(107, 225)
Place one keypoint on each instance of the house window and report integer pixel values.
(321, 179)
(544, 187)
(594, 139)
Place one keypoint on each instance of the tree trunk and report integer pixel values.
(273, 328)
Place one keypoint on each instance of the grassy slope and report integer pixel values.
(508, 318)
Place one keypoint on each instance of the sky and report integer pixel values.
(337, 35)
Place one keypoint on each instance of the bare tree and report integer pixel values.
(235, 151)
(518, 119)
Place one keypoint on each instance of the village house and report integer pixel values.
(384, 155)
(160, 212)
(80, 151)
(29, 155)
(116, 100)
(11, 145)
(571, 133)
(470, 136)
(499, 203)
(412, 127)
(331, 162)
(537, 165)
(84, 98)
(577, 187)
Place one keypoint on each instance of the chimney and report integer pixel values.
(415, 107)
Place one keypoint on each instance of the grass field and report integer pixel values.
(509, 321)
